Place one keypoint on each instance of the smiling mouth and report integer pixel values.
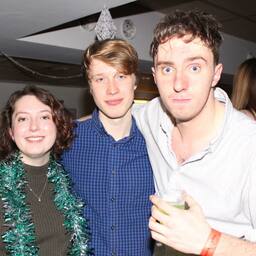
(35, 139)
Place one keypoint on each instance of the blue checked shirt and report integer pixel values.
(115, 179)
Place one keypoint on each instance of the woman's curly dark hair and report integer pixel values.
(61, 117)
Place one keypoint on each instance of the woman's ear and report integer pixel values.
(11, 133)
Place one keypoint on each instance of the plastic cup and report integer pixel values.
(172, 197)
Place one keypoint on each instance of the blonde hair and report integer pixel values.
(115, 52)
(244, 87)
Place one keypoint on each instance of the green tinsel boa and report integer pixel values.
(20, 238)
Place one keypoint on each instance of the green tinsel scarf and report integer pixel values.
(20, 238)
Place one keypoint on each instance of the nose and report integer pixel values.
(34, 124)
(112, 87)
(180, 82)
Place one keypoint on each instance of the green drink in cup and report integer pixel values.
(172, 196)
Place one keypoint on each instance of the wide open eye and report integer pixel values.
(195, 68)
(166, 70)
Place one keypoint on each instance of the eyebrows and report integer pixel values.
(187, 60)
(91, 74)
(28, 112)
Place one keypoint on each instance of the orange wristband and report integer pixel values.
(211, 243)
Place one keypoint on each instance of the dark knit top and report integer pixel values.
(52, 238)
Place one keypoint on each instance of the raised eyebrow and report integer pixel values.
(195, 58)
(164, 63)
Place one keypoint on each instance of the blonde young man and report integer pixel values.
(197, 141)
(108, 161)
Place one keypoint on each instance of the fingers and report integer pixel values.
(158, 230)
(155, 200)
(155, 226)
(160, 204)
(159, 215)
(158, 237)
(184, 230)
(193, 205)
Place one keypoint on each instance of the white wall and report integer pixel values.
(234, 51)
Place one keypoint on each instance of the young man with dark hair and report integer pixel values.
(108, 161)
(197, 141)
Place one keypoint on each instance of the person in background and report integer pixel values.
(108, 161)
(38, 213)
(198, 142)
(244, 88)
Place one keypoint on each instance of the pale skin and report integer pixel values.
(113, 93)
(186, 74)
(33, 130)
(188, 230)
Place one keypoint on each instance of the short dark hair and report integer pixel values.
(61, 117)
(195, 23)
(117, 53)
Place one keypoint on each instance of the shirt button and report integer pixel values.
(113, 254)
(113, 172)
(113, 199)
(113, 227)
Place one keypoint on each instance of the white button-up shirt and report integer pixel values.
(221, 178)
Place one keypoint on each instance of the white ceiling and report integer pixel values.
(21, 18)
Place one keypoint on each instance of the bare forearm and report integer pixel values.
(231, 246)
